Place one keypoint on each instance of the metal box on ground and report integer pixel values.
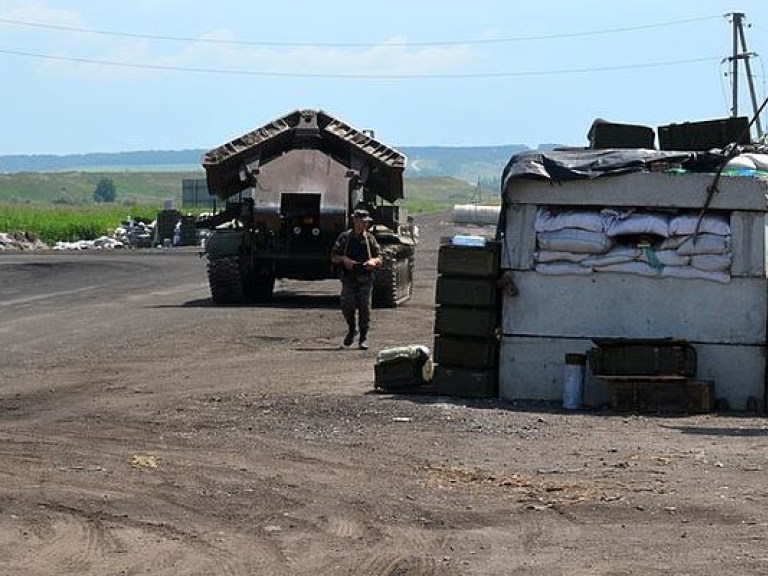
(471, 292)
(462, 321)
(466, 352)
(465, 382)
(704, 135)
(646, 358)
(692, 396)
(477, 261)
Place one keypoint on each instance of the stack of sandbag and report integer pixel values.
(688, 253)
(634, 241)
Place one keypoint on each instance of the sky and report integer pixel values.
(82, 76)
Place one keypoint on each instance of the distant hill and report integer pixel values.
(99, 161)
(471, 164)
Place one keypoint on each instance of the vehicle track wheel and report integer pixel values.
(225, 280)
(392, 284)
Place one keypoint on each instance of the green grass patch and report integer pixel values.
(69, 223)
(78, 187)
(439, 193)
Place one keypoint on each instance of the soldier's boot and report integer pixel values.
(350, 337)
(363, 343)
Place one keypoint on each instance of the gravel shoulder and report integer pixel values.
(145, 431)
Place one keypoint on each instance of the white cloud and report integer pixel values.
(394, 57)
(39, 12)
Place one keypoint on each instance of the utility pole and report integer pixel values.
(740, 52)
(477, 195)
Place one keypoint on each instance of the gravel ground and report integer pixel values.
(146, 431)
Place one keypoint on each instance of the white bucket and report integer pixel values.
(573, 383)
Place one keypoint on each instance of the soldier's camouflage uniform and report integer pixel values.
(356, 284)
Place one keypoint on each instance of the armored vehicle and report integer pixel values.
(290, 188)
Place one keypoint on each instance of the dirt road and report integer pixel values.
(145, 431)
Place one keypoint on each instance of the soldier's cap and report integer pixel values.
(362, 214)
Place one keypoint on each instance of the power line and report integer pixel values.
(267, 73)
(468, 42)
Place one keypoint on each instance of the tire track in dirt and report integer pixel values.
(344, 527)
(390, 563)
(68, 543)
(82, 542)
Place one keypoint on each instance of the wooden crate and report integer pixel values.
(690, 396)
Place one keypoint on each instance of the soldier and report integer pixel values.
(357, 251)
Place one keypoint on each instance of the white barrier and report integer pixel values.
(475, 214)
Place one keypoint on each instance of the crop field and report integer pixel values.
(59, 205)
(51, 223)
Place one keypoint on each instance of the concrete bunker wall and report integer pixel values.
(555, 315)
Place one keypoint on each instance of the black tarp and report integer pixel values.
(582, 164)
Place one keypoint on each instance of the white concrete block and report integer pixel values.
(748, 241)
(624, 305)
(648, 189)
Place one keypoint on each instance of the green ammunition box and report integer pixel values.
(461, 321)
(476, 261)
(690, 396)
(458, 352)
(622, 357)
(471, 292)
(466, 383)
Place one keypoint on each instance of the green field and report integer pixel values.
(68, 223)
(59, 205)
(78, 187)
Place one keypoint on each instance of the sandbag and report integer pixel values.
(402, 367)
(562, 269)
(574, 240)
(712, 262)
(685, 225)
(615, 255)
(695, 273)
(637, 268)
(549, 221)
(665, 257)
(546, 256)
(639, 223)
(704, 244)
